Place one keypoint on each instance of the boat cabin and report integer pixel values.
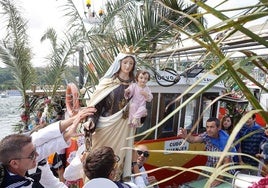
(164, 138)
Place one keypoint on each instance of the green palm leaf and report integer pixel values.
(15, 51)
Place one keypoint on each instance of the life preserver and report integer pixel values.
(72, 99)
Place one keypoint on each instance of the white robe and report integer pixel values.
(113, 130)
(47, 141)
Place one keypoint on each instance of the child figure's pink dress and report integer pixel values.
(137, 108)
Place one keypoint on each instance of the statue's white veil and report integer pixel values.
(114, 68)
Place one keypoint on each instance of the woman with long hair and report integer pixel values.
(227, 124)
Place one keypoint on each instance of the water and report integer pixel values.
(9, 114)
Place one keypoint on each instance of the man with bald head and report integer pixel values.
(142, 156)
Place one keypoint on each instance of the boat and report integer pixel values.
(165, 139)
(3, 95)
(13, 92)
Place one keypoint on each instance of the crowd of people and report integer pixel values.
(23, 157)
(119, 104)
(249, 146)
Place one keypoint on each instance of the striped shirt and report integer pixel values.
(251, 144)
(215, 145)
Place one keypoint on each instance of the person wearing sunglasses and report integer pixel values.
(141, 158)
(20, 153)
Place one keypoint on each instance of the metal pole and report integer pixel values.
(81, 68)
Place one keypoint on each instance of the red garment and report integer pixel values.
(263, 183)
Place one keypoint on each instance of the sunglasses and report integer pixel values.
(32, 156)
(145, 153)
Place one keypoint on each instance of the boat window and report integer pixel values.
(208, 98)
(189, 113)
(192, 113)
(206, 110)
(170, 127)
(156, 113)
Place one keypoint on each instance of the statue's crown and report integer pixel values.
(127, 49)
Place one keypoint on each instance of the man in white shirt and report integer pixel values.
(20, 153)
(143, 155)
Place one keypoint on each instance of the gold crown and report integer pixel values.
(127, 49)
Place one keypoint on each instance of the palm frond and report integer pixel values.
(59, 58)
(51, 35)
(14, 49)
